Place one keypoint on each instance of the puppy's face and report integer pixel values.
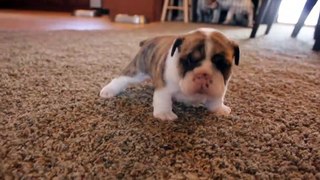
(205, 62)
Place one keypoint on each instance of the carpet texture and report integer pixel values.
(54, 125)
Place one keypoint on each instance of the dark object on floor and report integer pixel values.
(273, 6)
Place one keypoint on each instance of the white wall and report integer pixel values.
(290, 11)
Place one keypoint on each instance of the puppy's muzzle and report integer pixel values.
(202, 81)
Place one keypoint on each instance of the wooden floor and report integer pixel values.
(43, 20)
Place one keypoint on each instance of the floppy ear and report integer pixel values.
(236, 54)
(146, 41)
(177, 43)
(142, 42)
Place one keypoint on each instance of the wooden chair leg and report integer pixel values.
(305, 12)
(186, 10)
(274, 6)
(316, 46)
(262, 12)
(164, 10)
(190, 5)
(170, 12)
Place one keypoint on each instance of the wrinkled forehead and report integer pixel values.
(213, 42)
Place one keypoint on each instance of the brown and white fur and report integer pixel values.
(191, 68)
(234, 7)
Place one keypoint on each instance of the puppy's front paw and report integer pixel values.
(250, 25)
(169, 115)
(108, 92)
(222, 110)
(226, 22)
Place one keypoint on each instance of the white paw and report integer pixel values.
(222, 110)
(226, 22)
(169, 115)
(108, 92)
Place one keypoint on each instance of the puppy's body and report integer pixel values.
(235, 8)
(192, 68)
(210, 11)
(204, 10)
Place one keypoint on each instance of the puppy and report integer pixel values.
(205, 10)
(191, 68)
(235, 8)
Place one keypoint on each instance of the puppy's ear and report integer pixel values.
(142, 43)
(236, 54)
(176, 45)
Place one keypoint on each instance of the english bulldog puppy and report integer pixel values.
(235, 8)
(192, 68)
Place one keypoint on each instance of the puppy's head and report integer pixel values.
(205, 62)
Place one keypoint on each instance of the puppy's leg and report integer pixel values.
(216, 15)
(230, 15)
(250, 17)
(120, 83)
(218, 107)
(162, 104)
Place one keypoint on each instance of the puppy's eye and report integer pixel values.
(191, 61)
(220, 62)
(188, 63)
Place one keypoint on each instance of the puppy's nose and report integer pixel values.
(202, 76)
(203, 81)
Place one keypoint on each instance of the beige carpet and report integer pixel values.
(53, 124)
